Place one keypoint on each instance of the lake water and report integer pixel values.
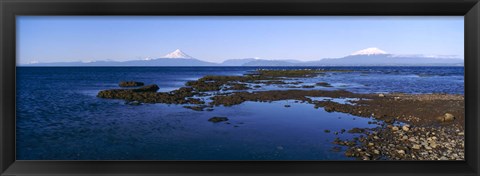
(59, 116)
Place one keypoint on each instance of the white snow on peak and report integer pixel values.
(369, 51)
(178, 54)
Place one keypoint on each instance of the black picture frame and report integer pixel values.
(470, 9)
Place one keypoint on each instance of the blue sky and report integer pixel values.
(210, 38)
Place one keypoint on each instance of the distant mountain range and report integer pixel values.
(365, 57)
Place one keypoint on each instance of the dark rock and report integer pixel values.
(218, 119)
(323, 84)
(196, 108)
(287, 106)
(329, 108)
(356, 130)
(327, 131)
(149, 88)
(336, 149)
(130, 84)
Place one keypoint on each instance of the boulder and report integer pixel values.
(218, 119)
(130, 84)
(149, 88)
(356, 130)
(447, 117)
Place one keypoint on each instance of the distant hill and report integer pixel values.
(237, 62)
(261, 62)
(175, 58)
(385, 60)
(365, 57)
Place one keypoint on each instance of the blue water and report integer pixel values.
(59, 116)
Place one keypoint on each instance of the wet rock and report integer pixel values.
(149, 88)
(237, 86)
(195, 108)
(395, 128)
(135, 103)
(218, 119)
(356, 130)
(308, 86)
(388, 120)
(406, 127)
(323, 84)
(130, 84)
(327, 131)
(349, 153)
(336, 149)
(329, 108)
(287, 106)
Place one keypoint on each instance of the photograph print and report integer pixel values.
(240, 88)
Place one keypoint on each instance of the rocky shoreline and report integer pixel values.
(410, 126)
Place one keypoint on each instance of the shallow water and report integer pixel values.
(59, 116)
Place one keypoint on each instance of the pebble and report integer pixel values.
(405, 127)
(394, 128)
(416, 147)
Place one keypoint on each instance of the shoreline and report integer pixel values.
(412, 126)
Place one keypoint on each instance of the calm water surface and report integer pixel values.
(59, 116)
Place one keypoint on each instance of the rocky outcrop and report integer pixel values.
(130, 84)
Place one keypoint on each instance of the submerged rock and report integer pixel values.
(323, 84)
(308, 86)
(130, 84)
(195, 108)
(356, 130)
(218, 119)
(118, 93)
(135, 103)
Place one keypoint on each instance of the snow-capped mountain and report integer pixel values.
(365, 57)
(369, 51)
(177, 54)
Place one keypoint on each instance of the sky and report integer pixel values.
(218, 38)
